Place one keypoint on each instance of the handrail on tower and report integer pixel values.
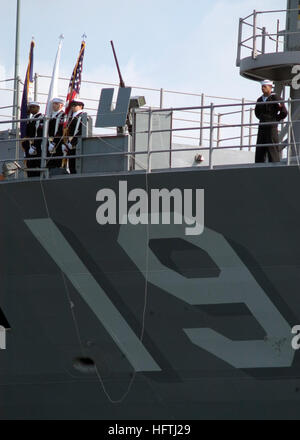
(273, 53)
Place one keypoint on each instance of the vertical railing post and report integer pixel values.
(219, 129)
(161, 98)
(18, 109)
(263, 40)
(250, 127)
(239, 48)
(131, 158)
(201, 120)
(211, 134)
(242, 124)
(254, 53)
(277, 36)
(149, 145)
(17, 113)
(290, 140)
(36, 90)
(44, 142)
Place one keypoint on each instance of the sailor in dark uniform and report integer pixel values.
(74, 130)
(32, 146)
(55, 133)
(268, 133)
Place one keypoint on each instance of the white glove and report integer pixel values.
(65, 149)
(69, 145)
(51, 148)
(32, 151)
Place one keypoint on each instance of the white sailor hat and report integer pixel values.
(77, 102)
(34, 103)
(267, 82)
(58, 100)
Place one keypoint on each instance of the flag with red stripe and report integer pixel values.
(75, 81)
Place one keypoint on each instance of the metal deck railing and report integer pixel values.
(255, 39)
(200, 122)
(157, 98)
(210, 147)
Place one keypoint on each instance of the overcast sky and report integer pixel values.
(188, 45)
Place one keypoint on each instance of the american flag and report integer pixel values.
(75, 81)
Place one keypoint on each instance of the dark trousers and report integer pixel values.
(262, 153)
(33, 163)
(72, 162)
(268, 135)
(52, 162)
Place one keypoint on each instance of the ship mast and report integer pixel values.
(16, 75)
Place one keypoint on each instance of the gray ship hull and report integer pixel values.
(179, 327)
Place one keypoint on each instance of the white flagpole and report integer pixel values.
(53, 89)
(53, 92)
